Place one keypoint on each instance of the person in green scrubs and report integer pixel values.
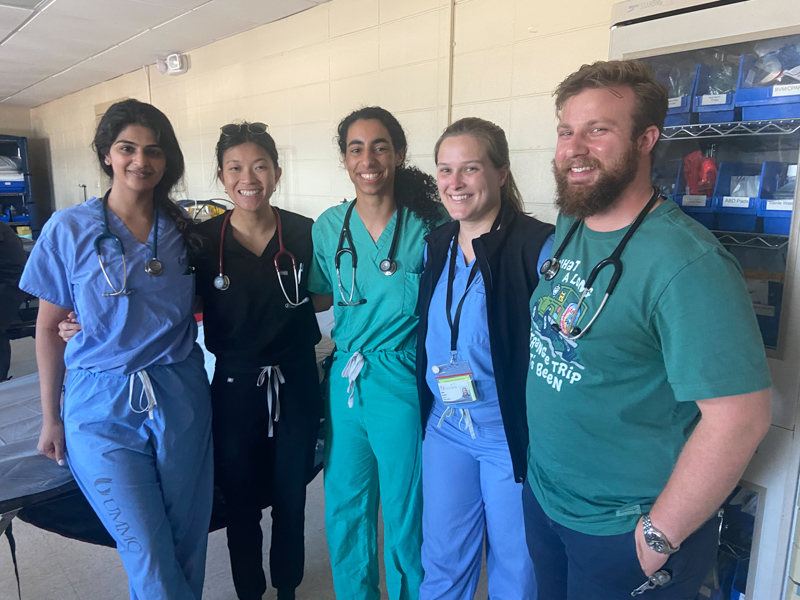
(368, 256)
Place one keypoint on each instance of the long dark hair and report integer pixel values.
(133, 112)
(244, 135)
(493, 139)
(413, 189)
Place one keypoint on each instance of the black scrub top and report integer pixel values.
(248, 325)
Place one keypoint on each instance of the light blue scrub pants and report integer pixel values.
(149, 480)
(468, 488)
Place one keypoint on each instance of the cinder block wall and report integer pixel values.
(302, 74)
(15, 120)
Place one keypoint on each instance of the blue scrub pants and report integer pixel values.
(571, 565)
(149, 480)
(468, 490)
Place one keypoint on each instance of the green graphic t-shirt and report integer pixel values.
(609, 413)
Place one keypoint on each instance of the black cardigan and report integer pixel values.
(507, 258)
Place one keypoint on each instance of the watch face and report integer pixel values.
(657, 542)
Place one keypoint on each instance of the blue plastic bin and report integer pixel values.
(12, 187)
(736, 213)
(680, 107)
(712, 108)
(768, 102)
(777, 213)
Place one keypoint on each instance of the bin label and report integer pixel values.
(764, 310)
(674, 102)
(709, 99)
(790, 89)
(735, 202)
(786, 204)
(693, 200)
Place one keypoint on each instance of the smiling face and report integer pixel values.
(469, 183)
(136, 160)
(370, 158)
(596, 158)
(249, 176)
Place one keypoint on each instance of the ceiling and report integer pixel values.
(51, 48)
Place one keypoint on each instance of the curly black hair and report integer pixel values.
(413, 189)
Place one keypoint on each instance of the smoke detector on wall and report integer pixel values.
(173, 64)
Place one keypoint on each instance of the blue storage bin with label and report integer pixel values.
(12, 184)
(681, 83)
(711, 106)
(699, 207)
(761, 101)
(736, 196)
(776, 197)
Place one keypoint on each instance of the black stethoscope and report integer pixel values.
(551, 266)
(388, 266)
(152, 267)
(222, 282)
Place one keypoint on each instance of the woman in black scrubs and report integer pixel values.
(251, 277)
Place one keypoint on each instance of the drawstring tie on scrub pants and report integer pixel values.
(466, 419)
(351, 372)
(147, 391)
(274, 378)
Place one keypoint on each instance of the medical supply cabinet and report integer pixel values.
(729, 157)
(16, 193)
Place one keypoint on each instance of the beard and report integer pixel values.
(583, 201)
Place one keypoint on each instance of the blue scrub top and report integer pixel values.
(121, 334)
(473, 340)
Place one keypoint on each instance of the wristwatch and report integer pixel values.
(655, 539)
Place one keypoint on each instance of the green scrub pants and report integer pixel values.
(373, 452)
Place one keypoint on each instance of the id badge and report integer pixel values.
(455, 382)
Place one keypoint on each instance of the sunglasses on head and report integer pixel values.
(237, 128)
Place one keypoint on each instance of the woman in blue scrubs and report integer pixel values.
(472, 359)
(135, 426)
(368, 259)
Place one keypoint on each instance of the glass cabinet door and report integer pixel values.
(729, 153)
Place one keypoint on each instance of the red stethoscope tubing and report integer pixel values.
(282, 251)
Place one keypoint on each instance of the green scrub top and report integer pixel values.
(387, 322)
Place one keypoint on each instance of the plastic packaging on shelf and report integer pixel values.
(779, 62)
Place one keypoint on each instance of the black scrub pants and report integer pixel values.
(252, 469)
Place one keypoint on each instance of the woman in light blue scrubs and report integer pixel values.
(135, 426)
(472, 356)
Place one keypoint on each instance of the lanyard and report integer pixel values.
(454, 322)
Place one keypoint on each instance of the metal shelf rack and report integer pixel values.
(733, 129)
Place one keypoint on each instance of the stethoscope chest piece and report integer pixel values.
(221, 282)
(388, 267)
(550, 268)
(154, 267)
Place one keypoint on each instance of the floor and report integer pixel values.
(55, 568)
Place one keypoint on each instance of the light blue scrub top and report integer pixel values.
(473, 340)
(121, 334)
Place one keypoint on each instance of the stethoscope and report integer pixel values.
(388, 266)
(551, 266)
(152, 267)
(222, 282)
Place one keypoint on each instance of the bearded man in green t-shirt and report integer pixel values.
(648, 389)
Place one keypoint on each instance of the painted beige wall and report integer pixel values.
(15, 120)
(301, 75)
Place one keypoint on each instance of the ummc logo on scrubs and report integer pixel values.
(102, 486)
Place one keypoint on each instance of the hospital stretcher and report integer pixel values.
(36, 490)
